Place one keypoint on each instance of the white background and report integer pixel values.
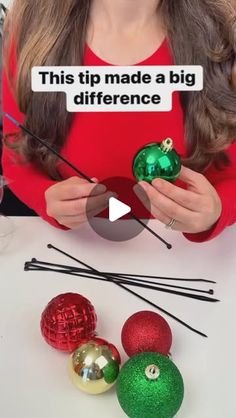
(33, 377)
(6, 2)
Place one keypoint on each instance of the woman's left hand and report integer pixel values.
(195, 209)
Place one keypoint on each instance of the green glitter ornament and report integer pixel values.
(157, 160)
(150, 386)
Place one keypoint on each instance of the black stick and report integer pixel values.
(166, 278)
(208, 292)
(201, 298)
(45, 144)
(169, 246)
(147, 276)
(50, 246)
(119, 276)
(70, 273)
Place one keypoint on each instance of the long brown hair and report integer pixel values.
(200, 32)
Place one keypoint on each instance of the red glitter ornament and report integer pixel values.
(66, 320)
(146, 331)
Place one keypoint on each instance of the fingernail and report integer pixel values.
(138, 189)
(157, 183)
(144, 185)
(95, 180)
(140, 192)
(101, 188)
(109, 195)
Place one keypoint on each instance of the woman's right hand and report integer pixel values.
(73, 201)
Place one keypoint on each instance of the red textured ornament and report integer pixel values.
(66, 320)
(146, 331)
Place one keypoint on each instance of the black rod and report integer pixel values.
(46, 145)
(119, 276)
(166, 278)
(123, 281)
(70, 273)
(51, 149)
(168, 245)
(50, 246)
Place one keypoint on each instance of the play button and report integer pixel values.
(117, 209)
(117, 222)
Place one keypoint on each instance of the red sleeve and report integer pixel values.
(26, 181)
(225, 184)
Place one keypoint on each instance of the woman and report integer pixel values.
(124, 32)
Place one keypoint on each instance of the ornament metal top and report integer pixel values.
(157, 160)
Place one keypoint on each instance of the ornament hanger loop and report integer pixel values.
(167, 145)
(152, 372)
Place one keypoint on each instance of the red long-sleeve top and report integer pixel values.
(103, 145)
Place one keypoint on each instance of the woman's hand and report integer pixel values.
(73, 201)
(194, 210)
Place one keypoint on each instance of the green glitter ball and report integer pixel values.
(150, 386)
(157, 160)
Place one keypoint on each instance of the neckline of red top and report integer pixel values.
(152, 59)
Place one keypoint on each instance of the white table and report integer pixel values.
(33, 377)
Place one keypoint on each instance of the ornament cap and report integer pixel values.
(152, 372)
(167, 145)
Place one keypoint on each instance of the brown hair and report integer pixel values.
(200, 32)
